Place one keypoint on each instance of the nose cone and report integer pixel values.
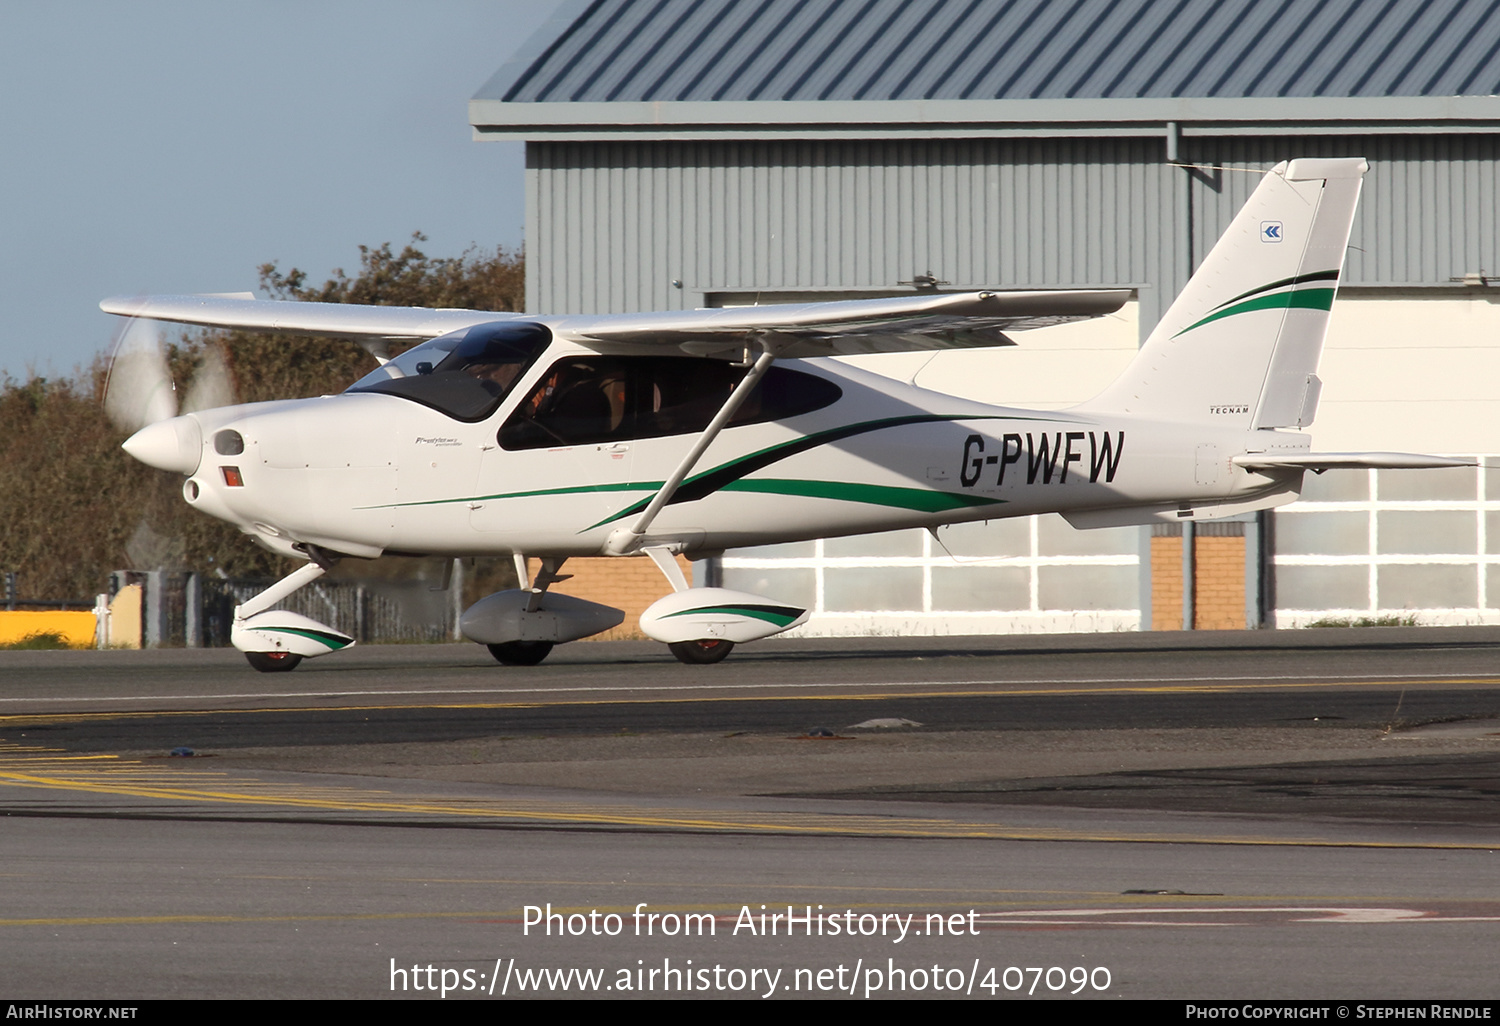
(173, 444)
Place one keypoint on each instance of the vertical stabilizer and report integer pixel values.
(1240, 346)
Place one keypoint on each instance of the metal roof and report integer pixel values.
(799, 50)
(706, 68)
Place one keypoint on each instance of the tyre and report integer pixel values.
(520, 653)
(701, 653)
(273, 662)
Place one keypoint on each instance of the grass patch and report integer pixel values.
(1408, 620)
(41, 641)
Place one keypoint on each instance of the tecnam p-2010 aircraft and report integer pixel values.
(695, 431)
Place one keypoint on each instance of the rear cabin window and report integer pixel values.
(587, 399)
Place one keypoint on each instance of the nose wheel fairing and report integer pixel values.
(276, 639)
(279, 631)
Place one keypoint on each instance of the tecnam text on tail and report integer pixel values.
(702, 430)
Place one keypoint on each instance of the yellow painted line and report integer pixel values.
(159, 786)
(996, 893)
(57, 758)
(997, 690)
(810, 824)
(187, 919)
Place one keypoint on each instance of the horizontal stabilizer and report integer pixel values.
(1321, 461)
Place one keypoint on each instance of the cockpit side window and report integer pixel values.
(465, 374)
(585, 400)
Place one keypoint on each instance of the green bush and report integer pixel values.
(41, 641)
(1408, 620)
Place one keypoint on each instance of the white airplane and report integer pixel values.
(696, 431)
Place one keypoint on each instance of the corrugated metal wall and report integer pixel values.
(1428, 213)
(610, 226)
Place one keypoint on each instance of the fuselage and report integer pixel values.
(845, 452)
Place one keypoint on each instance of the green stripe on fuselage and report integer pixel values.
(619, 486)
(923, 500)
(702, 485)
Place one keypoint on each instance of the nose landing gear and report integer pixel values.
(701, 653)
(276, 640)
(273, 662)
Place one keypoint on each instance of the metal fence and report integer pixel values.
(10, 598)
(192, 610)
(385, 611)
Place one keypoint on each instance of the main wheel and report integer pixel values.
(273, 662)
(520, 653)
(701, 653)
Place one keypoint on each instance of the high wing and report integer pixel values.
(945, 321)
(958, 320)
(332, 320)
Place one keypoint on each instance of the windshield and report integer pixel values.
(464, 374)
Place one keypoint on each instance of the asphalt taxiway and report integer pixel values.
(1324, 800)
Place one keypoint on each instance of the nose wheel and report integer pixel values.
(273, 662)
(701, 653)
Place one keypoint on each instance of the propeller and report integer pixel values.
(211, 385)
(139, 390)
(140, 397)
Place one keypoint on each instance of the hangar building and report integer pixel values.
(684, 153)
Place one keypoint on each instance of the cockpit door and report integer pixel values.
(562, 460)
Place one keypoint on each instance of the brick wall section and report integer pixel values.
(630, 583)
(634, 583)
(1219, 592)
(1219, 599)
(1166, 582)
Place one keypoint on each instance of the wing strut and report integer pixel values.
(626, 540)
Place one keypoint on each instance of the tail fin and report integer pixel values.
(1240, 346)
